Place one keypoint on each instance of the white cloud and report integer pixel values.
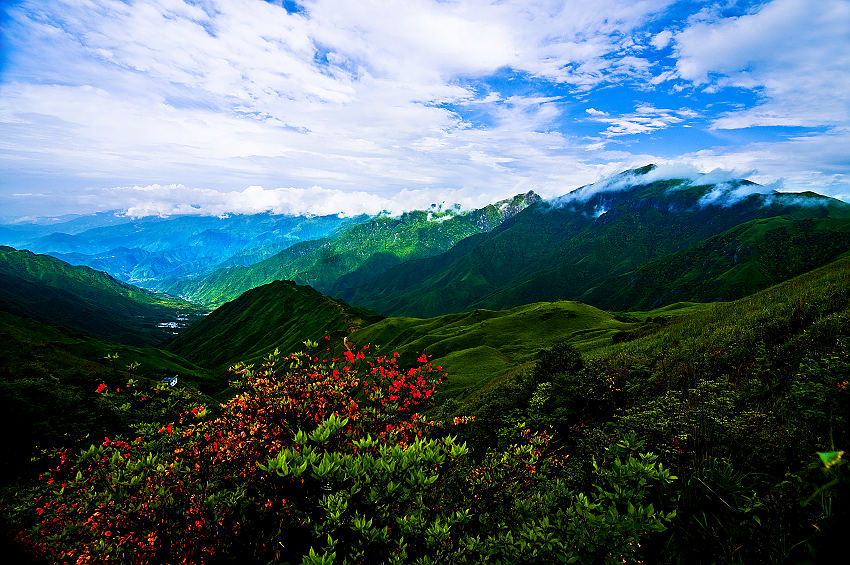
(645, 119)
(815, 162)
(358, 97)
(346, 95)
(168, 200)
(662, 39)
(662, 171)
(793, 51)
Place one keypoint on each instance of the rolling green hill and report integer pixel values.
(357, 255)
(280, 314)
(52, 291)
(561, 250)
(772, 349)
(479, 346)
(474, 347)
(738, 262)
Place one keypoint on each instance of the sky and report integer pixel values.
(324, 106)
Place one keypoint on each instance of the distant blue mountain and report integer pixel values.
(153, 251)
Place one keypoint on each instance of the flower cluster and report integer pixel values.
(170, 494)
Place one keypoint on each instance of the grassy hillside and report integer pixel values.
(357, 255)
(772, 358)
(479, 346)
(475, 348)
(736, 397)
(738, 262)
(801, 315)
(551, 252)
(50, 290)
(280, 314)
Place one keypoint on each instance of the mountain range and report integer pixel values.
(152, 251)
(356, 254)
(588, 242)
(708, 319)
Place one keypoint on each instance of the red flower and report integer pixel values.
(101, 388)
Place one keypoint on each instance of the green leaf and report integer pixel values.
(830, 458)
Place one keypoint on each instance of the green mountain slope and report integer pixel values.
(561, 250)
(769, 350)
(48, 376)
(479, 346)
(357, 255)
(280, 315)
(52, 291)
(738, 262)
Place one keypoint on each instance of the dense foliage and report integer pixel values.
(46, 378)
(330, 460)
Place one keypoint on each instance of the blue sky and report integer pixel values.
(320, 106)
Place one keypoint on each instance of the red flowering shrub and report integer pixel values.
(181, 491)
(323, 460)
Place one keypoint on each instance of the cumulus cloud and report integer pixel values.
(645, 119)
(662, 39)
(169, 200)
(793, 52)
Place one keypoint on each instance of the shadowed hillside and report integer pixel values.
(280, 315)
(738, 262)
(54, 292)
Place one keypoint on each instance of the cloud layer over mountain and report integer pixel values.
(355, 102)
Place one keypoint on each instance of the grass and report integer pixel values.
(280, 315)
(479, 346)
